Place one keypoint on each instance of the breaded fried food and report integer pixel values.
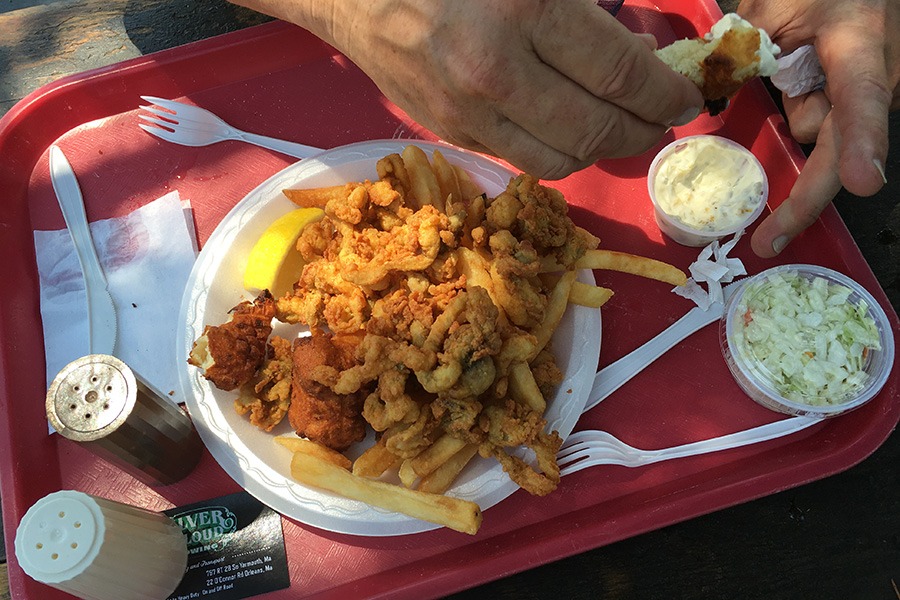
(267, 396)
(719, 63)
(316, 412)
(230, 354)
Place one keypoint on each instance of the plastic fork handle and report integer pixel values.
(290, 148)
(613, 376)
(754, 435)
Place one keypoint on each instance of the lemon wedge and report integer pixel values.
(274, 263)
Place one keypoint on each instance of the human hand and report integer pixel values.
(858, 43)
(550, 86)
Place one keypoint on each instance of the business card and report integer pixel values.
(235, 549)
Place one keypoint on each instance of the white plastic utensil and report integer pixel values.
(189, 125)
(585, 449)
(101, 309)
(615, 375)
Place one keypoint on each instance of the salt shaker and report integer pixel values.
(102, 403)
(98, 549)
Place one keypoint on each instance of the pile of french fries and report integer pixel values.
(425, 478)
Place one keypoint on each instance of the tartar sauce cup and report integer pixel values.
(767, 361)
(706, 187)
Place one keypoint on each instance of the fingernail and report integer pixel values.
(880, 166)
(688, 116)
(779, 243)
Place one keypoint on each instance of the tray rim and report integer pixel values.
(10, 129)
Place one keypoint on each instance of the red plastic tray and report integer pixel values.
(278, 80)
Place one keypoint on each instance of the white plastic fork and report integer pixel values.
(591, 448)
(189, 125)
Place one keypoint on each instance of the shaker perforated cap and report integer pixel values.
(91, 397)
(59, 536)
(99, 549)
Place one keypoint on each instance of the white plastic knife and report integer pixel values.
(615, 375)
(100, 308)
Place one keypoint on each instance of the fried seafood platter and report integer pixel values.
(437, 346)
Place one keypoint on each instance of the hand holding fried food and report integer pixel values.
(722, 61)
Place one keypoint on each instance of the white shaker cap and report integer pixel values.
(100, 550)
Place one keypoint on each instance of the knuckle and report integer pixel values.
(621, 80)
(605, 140)
(803, 131)
(556, 168)
(485, 77)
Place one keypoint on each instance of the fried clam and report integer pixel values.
(267, 396)
(229, 355)
(317, 412)
(513, 425)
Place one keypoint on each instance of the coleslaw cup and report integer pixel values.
(759, 383)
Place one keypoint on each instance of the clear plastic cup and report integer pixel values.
(733, 160)
(757, 380)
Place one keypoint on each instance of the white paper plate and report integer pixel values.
(251, 456)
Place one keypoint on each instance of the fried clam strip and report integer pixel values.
(267, 397)
(368, 256)
(537, 216)
(230, 354)
(515, 425)
(360, 251)
(389, 362)
(465, 366)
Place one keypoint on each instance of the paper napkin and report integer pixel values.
(147, 256)
(799, 72)
(712, 267)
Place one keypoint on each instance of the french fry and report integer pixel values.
(423, 184)
(430, 459)
(459, 515)
(556, 307)
(391, 168)
(468, 188)
(374, 461)
(524, 389)
(476, 267)
(406, 474)
(318, 197)
(631, 263)
(446, 178)
(295, 444)
(592, 296)
(440, 480)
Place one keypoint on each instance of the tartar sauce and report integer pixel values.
(709, 184)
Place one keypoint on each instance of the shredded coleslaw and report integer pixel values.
(808, 336)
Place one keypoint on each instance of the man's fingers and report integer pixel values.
(527, 153)
(605, 58)
(569, 119)
(816, 186)
(805, 115)
(852, 55)
(648, 39)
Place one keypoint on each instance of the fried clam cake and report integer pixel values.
(316, 412)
